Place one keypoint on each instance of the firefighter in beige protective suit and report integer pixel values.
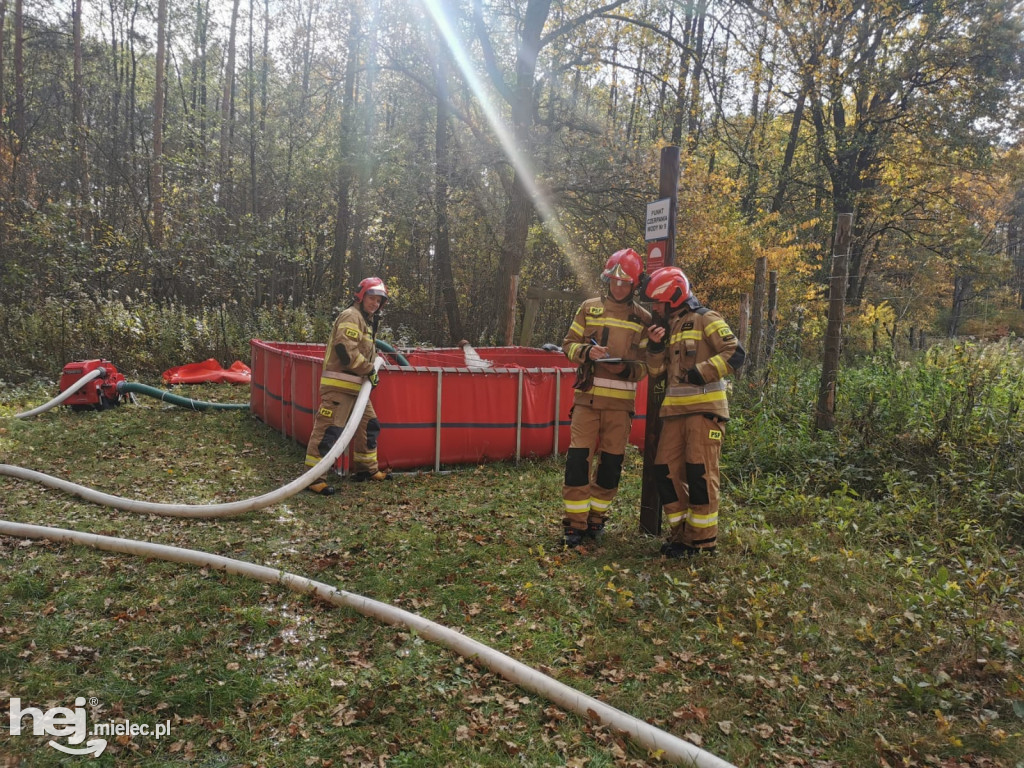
(348, 363)
(606, 329)
(695, 352)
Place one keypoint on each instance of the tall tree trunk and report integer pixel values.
(4, 188)
(634, 102)
(962, 287)
(442, 243)
(658, 129)
(347, 153)
(250, 77)
(19, 88)
(133, 145)
(78, 99)
(199, 102)
(366, 160)
(613, 88)
(750, 154)
(787, 159)
(1015, 244)
(519, 208)
(696, 73)
(265, 68)
(227, 111)
(3, 47)
(825, 412)
(157, 181)
(859, 259)
(686, 63)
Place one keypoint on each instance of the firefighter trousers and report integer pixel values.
(687, 473)
(335, 408)
(588, 492)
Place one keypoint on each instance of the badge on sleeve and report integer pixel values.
(326, 413)
(595, 311)
(352, 333)
(715, 434)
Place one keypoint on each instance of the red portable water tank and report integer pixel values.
(100, 393)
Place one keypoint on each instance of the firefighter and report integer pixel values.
(347, 364)
(613, 326)
(695, 349)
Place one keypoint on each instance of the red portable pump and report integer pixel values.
(100, 393)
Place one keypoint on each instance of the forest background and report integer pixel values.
(177, 178)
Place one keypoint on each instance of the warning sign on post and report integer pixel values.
(658, 214)
(655, 255)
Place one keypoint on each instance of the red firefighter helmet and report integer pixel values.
(668, 285)
(371, 286)
(623, 265)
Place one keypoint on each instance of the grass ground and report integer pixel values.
(832, 630)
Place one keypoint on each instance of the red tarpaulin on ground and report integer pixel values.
(208, 371)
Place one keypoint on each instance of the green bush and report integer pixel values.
(947, 424)
(142, 338)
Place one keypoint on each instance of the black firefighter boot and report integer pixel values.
(364, 476)
(572, 537)
(675, 550)
(595, 530)
(321, 488)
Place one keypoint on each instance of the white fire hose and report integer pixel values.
(667, 746)
(206, 511)
(95, 373)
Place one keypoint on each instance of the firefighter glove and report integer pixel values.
(693, 377)
(374, 379)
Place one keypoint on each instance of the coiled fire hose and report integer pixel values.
(667, 746)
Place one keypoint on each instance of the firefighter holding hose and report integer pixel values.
(607, 338)
(696, 350)
(348, 362)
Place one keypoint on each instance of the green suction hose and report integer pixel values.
(383, 346)
(125, 387)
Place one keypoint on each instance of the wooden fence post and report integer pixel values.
(773, 314)
(650, 501)
(757, 314)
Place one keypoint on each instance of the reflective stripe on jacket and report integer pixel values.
(622, 328)
(701, 339)
(350, 353)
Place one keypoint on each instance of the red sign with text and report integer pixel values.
(655, 255)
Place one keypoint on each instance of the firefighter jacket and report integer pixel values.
(622, 327)
(350, 353)
(697, 339)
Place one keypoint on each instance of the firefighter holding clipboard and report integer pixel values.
(607, 339)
